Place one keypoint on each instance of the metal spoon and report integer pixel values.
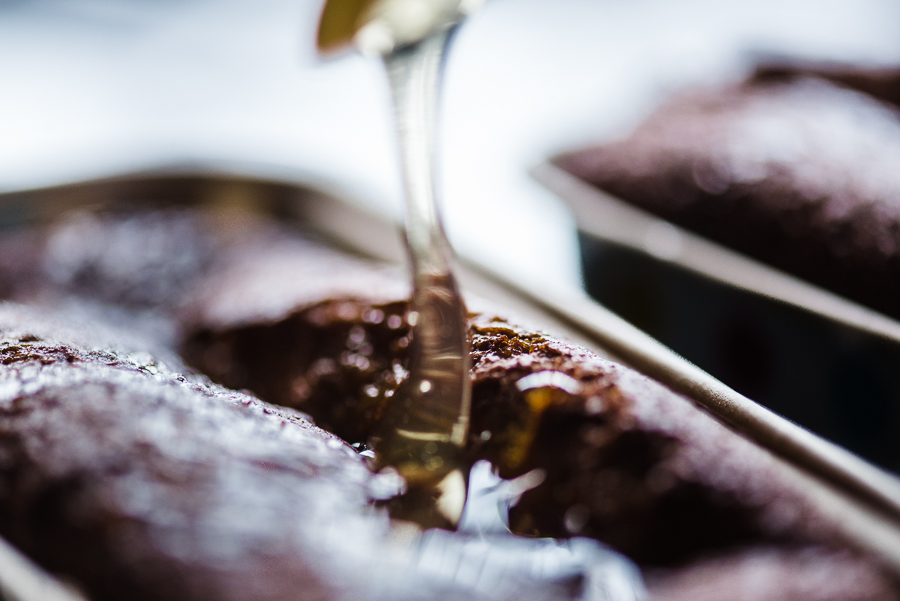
(423, 432)
(380, 26)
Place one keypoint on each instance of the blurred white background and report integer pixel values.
(91, 88)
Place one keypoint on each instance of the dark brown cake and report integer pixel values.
(625, 460)
(135, 481)
(796, 172)
(139, 482)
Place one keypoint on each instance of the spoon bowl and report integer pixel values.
(381, 26)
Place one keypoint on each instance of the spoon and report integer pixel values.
(423, 432)
(380, 26)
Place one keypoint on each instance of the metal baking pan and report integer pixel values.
(866, 498)
(820, 360)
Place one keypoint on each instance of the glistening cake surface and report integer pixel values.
(624, 460)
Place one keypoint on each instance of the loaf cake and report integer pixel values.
(136, 481)
(794, 170)
(136, 477)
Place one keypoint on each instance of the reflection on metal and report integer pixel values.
(22, 580)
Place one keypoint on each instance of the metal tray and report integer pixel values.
(866, 499)
(822, 361)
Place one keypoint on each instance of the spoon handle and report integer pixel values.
(424, 430)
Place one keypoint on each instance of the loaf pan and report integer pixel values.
(866, 498)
